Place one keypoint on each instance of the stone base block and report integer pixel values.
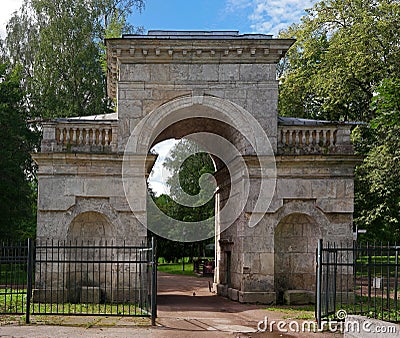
(257, 297)
(50, 296)
(125, 295)
(90, 295)
(299, 297)
(233, 294)
(222, 290)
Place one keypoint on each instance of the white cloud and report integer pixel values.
(270, 16)
(159, 188)
(159, 174)
(8, 7)
(234, 5)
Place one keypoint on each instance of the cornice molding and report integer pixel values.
(191, 51)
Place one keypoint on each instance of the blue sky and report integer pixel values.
(247, 16)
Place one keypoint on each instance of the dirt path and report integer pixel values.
(186, 308)
(186, 304)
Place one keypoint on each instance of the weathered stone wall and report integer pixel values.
(70, 185)
(142, 88)
(296, 238)
(313, 199)
(176, 86)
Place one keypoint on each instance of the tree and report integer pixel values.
(378, 178)
(344, 50)
(345, 65)
(189, 182)
(17, 184)
(188, 185)
(60, 46)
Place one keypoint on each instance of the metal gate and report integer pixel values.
(356, 278)
(96, 279)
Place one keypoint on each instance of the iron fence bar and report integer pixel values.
(91, 246)
(381, 255)
(375, 265)
(90, 261)
(388, 282)
(105, 272)
(319, 278)
(29, 280)
(369, 264)
(361, 279)
(326, 281)
(396, 275)
(111, 268)
(81, 273)
(153, 282)
(99, 277)
(334, 278)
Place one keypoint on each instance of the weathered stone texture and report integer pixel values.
(171, 88)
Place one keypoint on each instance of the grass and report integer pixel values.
(176, 269)
(376, 307)
(301, 312)
(377, 265)
(14, 303)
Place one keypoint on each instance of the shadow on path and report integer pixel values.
(185, 304)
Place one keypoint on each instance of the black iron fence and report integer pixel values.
(59, 278)
(13, 278)
(357, 279)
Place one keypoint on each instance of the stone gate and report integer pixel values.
(172, 84)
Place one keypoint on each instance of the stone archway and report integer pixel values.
(171, 84)
(295, 242)
(242, 186)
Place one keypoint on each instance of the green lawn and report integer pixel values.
(176, 268)
(298, 312)
(13, 302)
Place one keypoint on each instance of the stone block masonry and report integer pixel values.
(170, 85)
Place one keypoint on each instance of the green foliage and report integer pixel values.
(378, 178)
(387, 104)
(60, 46)
(191, 193)
(343, 51)
(345, 65)
(190, 172)
(191, 196)
(17, 184)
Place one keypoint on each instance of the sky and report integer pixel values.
(246, 16)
